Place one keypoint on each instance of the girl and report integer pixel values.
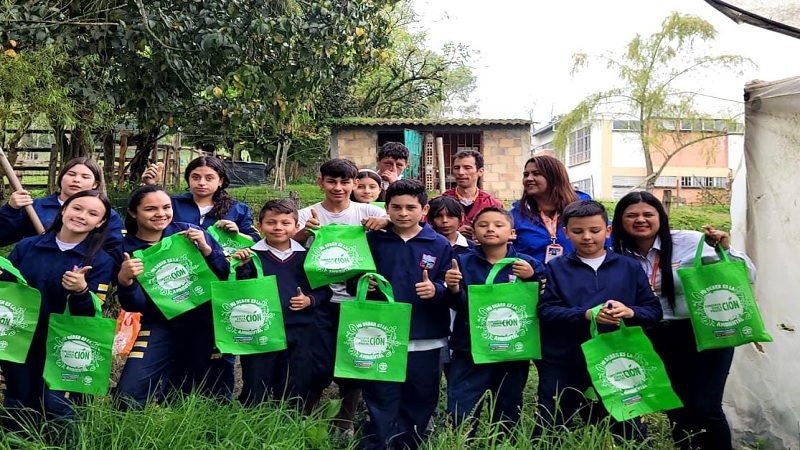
(368, 187)
(177, 352)
(78, 174)
(444, 215)
(641, 230)
(65, 264)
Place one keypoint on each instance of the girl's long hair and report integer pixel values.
(223, 202)
(561, 191)
(624, 242)
(96, 237)
(131, 225)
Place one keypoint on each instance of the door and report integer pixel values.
(413, 140)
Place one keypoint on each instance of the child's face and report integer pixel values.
(154, 211)
(391, 165)
(83, 215)
(588, 235)
(493, 229)
(445, 224)
(204, 181)
(77, 179)
(405, 212)
(336, 189)
(277, 228)
(367, 190)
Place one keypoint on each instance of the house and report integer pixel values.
(504, 143)
(604, 158)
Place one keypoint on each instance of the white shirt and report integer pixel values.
(684, 248)
(65, 245)
(594, 263)
(461, 241)
(294, 246)
(203, 211)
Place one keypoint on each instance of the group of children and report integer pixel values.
(416, 246)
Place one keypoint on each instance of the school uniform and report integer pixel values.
(284, 374)
(184, 209)
(177, 352)
(573, 286)
(400, 412)
(16, 225)
(42, 263)
(467, 381)
(471, 209)
(463, 245)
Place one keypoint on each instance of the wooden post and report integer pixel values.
(15, 185)
(440, 163)
(52, 170)
(123, 153)
(666, 200)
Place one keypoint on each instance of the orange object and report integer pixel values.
(128, 326)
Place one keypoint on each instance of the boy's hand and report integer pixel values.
(373, 223)
(129, 270)
(244, 256)
(453, 278)
(466, 231)
(299, 301)
(390, 176)
(522, 269)
(372, 285)
(153, 174)
(714, 237)
(313, 222)
(611, 313)
(425, 288)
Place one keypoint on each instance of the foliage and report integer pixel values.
(651, 71)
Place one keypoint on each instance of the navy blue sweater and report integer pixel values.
(133, 298)
(474, 269)
(184, 209)
(290, 275)
(573, 287)
(43, 264)
(402, 263)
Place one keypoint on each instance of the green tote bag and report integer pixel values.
(338, 253)
(247, 313)
(503, 322)
(721, 304)
(79, 354)
(176, 276)
(230, 242)
(627, 373)
(19, 314)
(372, 342)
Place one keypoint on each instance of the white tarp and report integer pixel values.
(762, 398)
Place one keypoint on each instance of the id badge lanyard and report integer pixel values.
(553, 250)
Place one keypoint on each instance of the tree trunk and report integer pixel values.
(280, 162)
(52, 169)
(108, 158)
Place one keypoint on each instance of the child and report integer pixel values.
(368, 187)
(64, 264)
(177, 351)
(283, 374)
(414, 259)
(445, 216)
(577, 282)
(336, 180)
(393, 158)
(467, 382)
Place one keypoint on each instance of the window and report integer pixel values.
(704, 182)
(584, 185)
(579, 146)
(625, 125)
(545, 146)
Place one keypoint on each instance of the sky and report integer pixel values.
(523, 49)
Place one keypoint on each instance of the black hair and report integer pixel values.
(371, 174)
(279, 206)
(394, 150)
(96, 237)
(339, 168)
(413, 188)
(473, 153)
(622, 242)
(223, 202)
(496, 209)
(584, 208)
(88, 162)
(448, 204)
(131, 225)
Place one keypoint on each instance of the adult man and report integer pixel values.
(467, 169)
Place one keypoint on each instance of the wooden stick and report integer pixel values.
(17, 186)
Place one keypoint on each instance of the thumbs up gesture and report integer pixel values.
(453, 278)
(299, 301)
(313, 222)
(425, 288)
(75, 280)
(129, 270)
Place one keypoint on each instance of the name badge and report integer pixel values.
(553, 251)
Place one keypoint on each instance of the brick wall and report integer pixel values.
(505, 151)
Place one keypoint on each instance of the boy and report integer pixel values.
(467, 382)
(283, 374)
(444, 215)
(337, 180)
(576, 283)
(467, 170)
(392, 159)
(414, 259)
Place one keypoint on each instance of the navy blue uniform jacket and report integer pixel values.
(474, 269)
(573, 287)
(184, 209)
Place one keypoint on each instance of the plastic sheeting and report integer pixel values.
(762, 398)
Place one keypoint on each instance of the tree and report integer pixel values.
(651, 72)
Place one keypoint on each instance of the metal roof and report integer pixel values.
(378, 122)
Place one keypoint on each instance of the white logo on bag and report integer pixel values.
(336, 257)
(12, 318)
(371, 340)
(247, 316)
(173, 275)
(624, 371)
(503, 321)
(77, 353)
(720, 305)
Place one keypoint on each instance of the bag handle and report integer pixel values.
(498, 266)
(383, 285)
(698, 256)
(593, 325)
(98, 311)
(6, 266)
(255, 260)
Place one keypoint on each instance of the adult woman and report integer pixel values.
(173, 352)
(78, 174)
(547, 192)
(641, 230)
(65, 264)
